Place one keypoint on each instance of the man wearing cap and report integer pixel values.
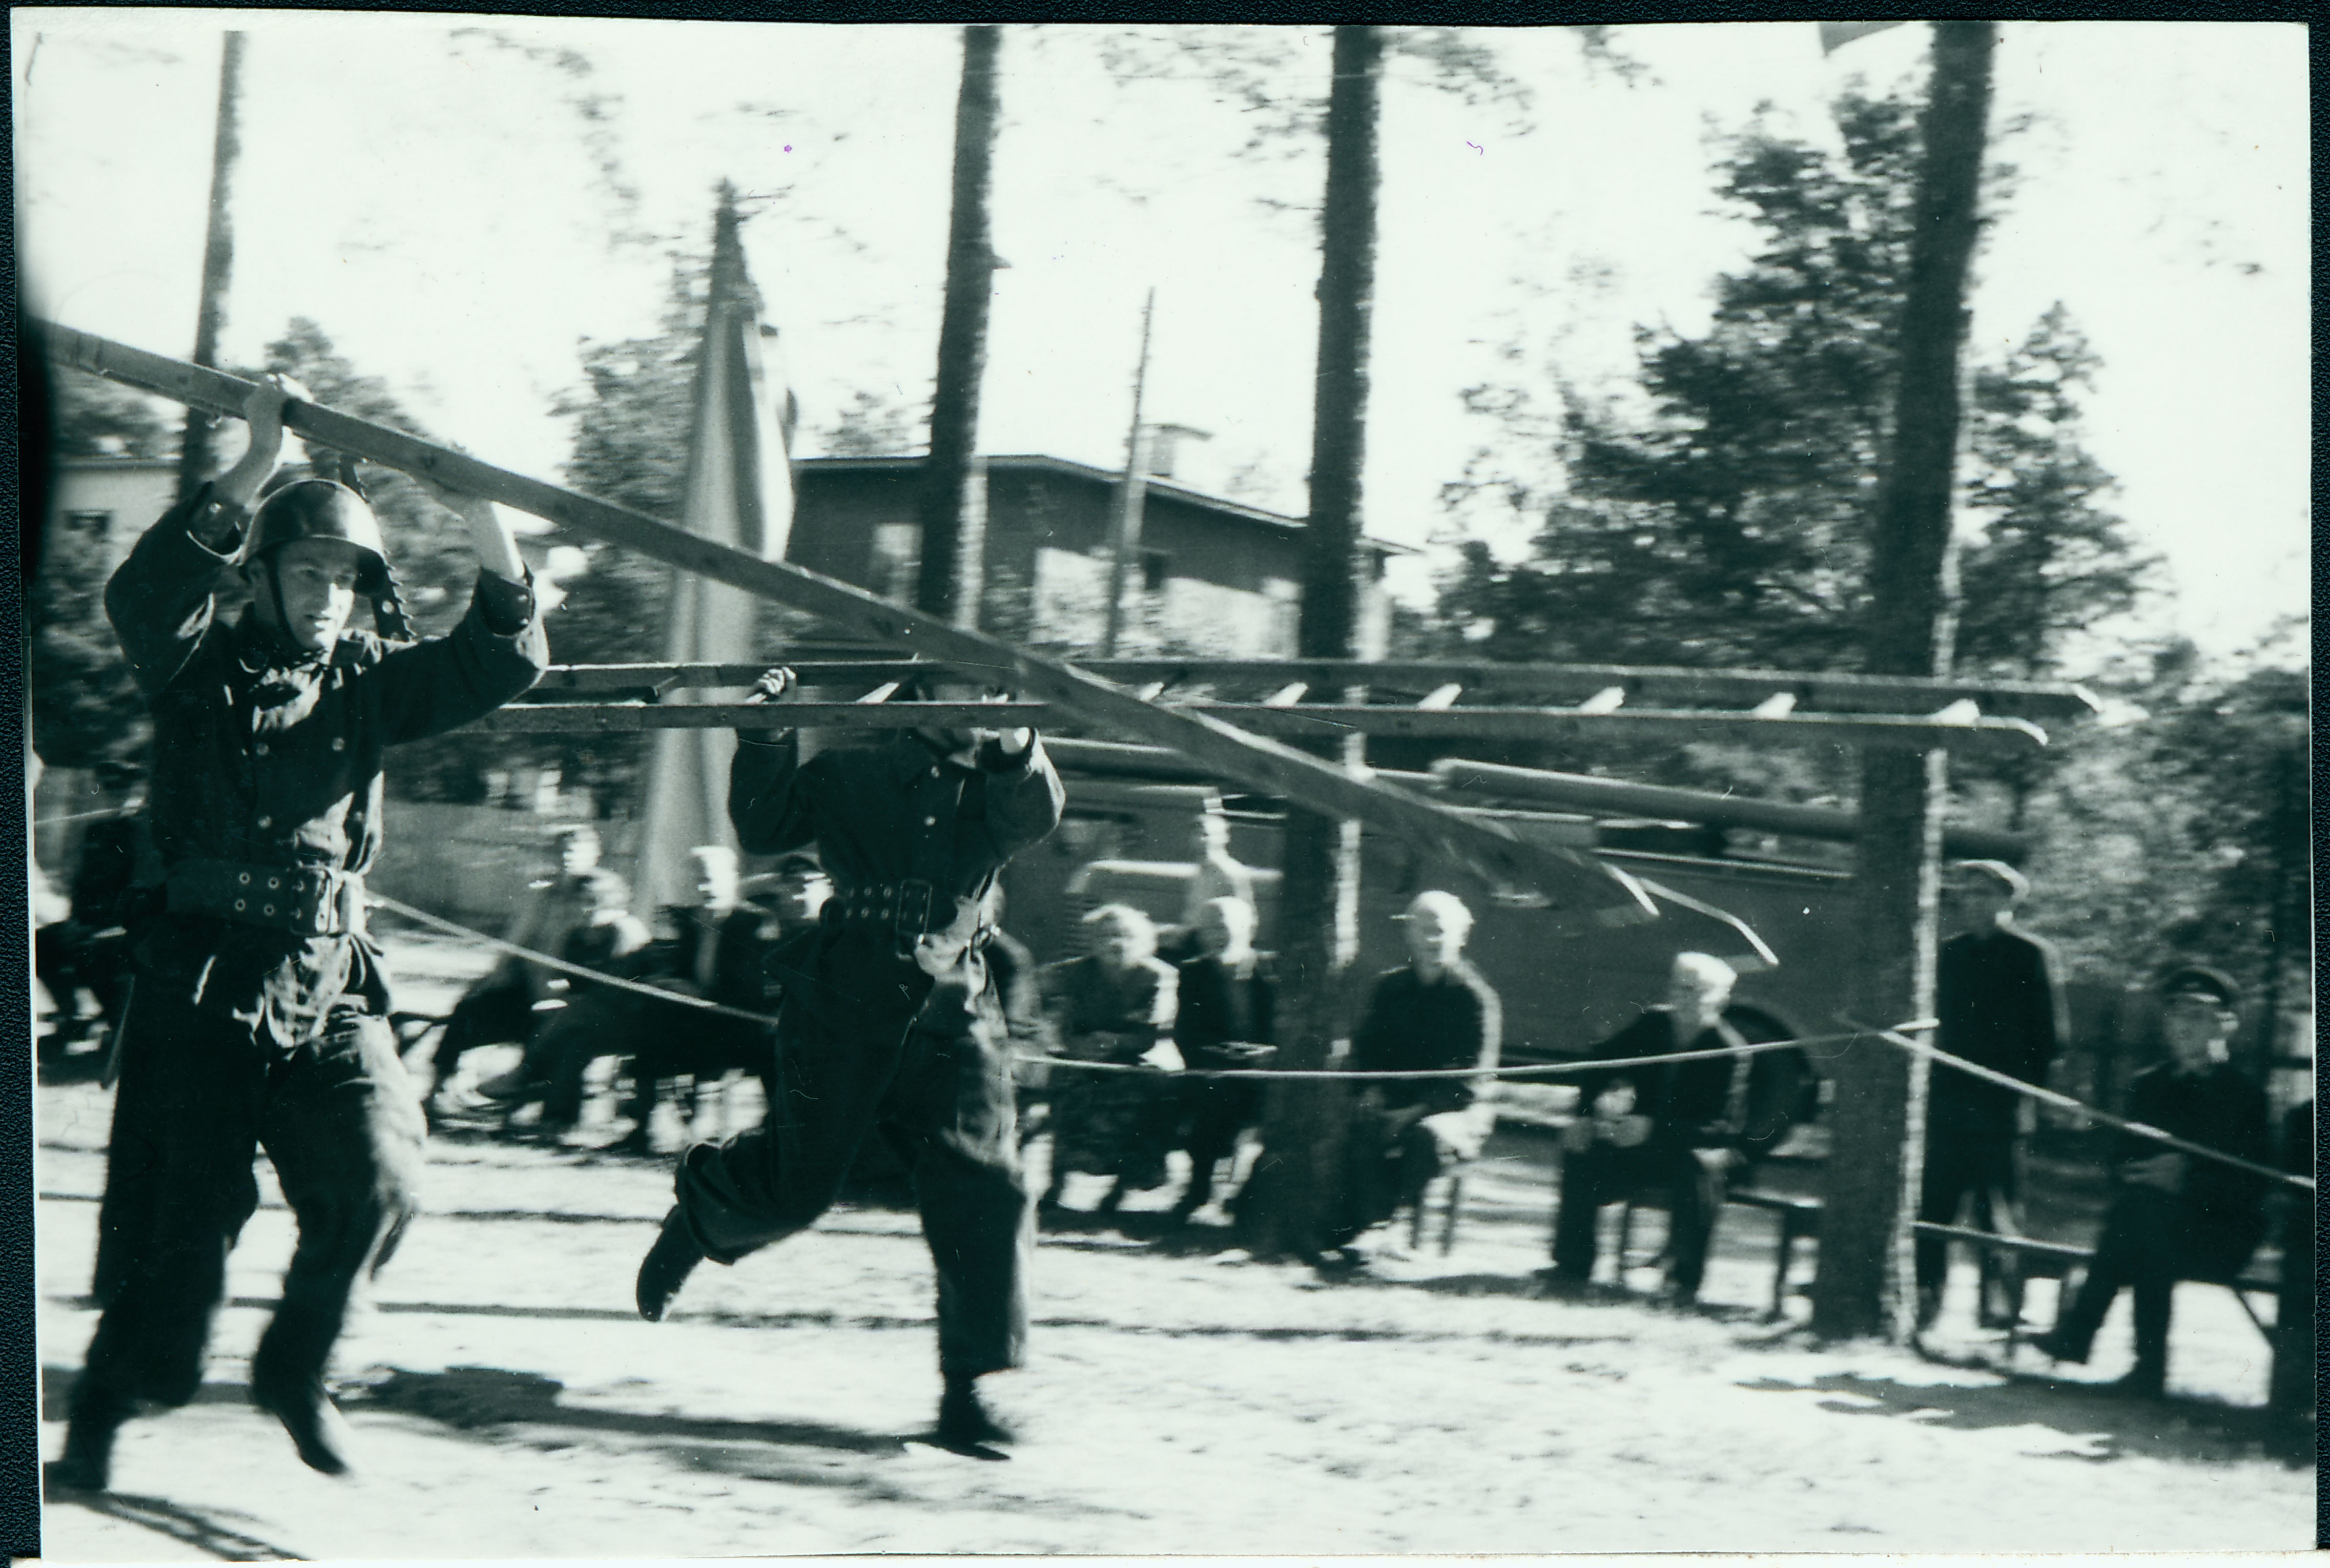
(889, 1020)
(1432, 1013)
(259, 1014)
(1995, 993)
(2175, 1215)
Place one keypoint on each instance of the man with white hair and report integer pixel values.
(1678, 1128)
(1431, 1013)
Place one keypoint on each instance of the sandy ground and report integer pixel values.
(510, 1405)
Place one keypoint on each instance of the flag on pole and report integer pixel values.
(1835, 36)
(739, 493)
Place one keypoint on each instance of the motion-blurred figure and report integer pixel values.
(504, 1005)
(889, 1020)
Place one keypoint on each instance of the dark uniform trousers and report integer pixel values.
(2151, 1238)
(1606, 1174)
(263, 1027)
(928, 1066)
(201, 1090)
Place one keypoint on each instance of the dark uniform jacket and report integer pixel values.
(1218, 1009)
(1697, 1104)
(1413, 1024)
(880, 816)
(272, 756)
(1995, 993)
(2217, 1106)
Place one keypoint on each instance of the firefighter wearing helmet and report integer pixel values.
(259, 1018)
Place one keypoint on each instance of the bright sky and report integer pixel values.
(442, 202)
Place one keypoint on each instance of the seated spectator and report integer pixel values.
(715, 953)
(609, 938)
(2175, 1215)
(1679, 1130)
(501, 1005)
(1433, 1013)
(79, 943)
(1116, 1003)
(1227, 1018)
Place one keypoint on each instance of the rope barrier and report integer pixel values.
(1900, 1034)
(677, 998)
(2064, 1101)
(1417, 1074)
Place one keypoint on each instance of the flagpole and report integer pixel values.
(1136, 486)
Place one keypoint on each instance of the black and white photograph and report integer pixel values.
(1067, 789)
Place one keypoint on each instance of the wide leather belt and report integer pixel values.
(904, 909)
(314, 900)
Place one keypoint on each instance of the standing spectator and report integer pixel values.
(502, 1005)
(1432, 1013)
(1113, 1005)
(261, 1018)
(1227, 1019)
(889, 1023)
(1219, 874)
(2175, 1215)
(2000, 1007)
(1678, 1128)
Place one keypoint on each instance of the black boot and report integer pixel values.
(666, 1266)
(86, 1463)
(318, 1429)
(964, 1420)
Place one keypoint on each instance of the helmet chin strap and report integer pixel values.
(282, 616)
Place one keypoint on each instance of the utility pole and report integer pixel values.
(1866, 1284)
(194, 460)
(943, 586)
(1287, 1206)
(1136, 485)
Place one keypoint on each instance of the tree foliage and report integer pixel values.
(1729, 526)
(2182, 836)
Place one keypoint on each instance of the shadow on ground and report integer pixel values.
(192, 1528)
(2115, 1426)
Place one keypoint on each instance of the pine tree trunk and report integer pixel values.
(947, 583)
(1866, 1284)
(194, 447)
(1290, 1205)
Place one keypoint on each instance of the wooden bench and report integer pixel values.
(2251, 1280)
(1799, 1220)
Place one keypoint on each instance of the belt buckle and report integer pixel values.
(914, 896)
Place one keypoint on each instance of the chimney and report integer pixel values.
(1165, 442)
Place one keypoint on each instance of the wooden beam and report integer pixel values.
(1772, 692)
(1646, 686)
(1573, 883)
(1330, 719)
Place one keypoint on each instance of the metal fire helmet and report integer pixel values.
(315, 508)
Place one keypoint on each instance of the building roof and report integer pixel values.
(1039, 462)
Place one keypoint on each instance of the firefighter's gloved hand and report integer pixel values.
(775, 685)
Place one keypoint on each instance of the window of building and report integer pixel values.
(1155, 567)
(96, 524)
